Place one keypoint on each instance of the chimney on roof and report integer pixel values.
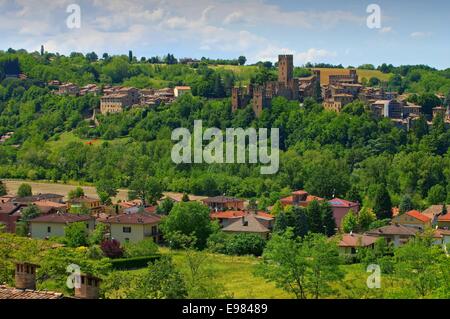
(25, 276)
(89, 287)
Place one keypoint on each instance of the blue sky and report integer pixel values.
(331, 31)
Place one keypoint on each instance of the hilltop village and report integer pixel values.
(339, 88)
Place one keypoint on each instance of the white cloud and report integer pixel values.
(271, 53)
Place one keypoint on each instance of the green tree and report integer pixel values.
(76, 193)
(365, 218)
(437, 195)
(146, 188)
(417, 264)
(350, 223)
(189, 219)
(328, 220)
(76, 235)
(382, 203)
(306, 267)
(24, 190)
(98, 235)
(315, 220)
(406, 204)
(161, 280)
(27, 214)
(242, 60)
(165, 206)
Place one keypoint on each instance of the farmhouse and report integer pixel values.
(350, 243)
(224, 203)
(396, 234)
(48, 226)
(413, 219)
(133, 227)
(248, 224)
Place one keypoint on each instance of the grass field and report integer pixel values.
(235, 274)
(68, 137)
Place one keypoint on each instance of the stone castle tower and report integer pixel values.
(285, 68)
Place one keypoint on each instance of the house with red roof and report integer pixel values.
(248, 224)
(341, 208)
(350, 243)
(299, 198)
(9, 215)
(134, 227)
(413, 218)
(443, 221)
(53, 225)
(226, 218)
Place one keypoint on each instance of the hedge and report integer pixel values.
(133, 263)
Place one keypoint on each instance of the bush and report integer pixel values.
(133, 263)
(239, 245)
(140, 249)
(112, 249)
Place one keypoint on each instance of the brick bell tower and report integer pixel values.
(285, 68)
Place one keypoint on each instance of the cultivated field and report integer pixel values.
(325, 73)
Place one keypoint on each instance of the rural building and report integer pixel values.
(48, 226)
(413, 219)
(224, 203)
(248, 224)
(179, 91)
(9, 215)
(133, 227)
(77, 205)
(350, 243)
(396, 234)
(341, 208)
(226, 218)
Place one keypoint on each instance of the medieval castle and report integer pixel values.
(287, 86)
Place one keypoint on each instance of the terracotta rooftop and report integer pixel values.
(250, 224)
(13, 293)
(131, 219)
(222, 199)
(61, 218)
(395, 229)
(231, 214)
(433, 211)
(357, 240)
(8, 208)
(417, 215)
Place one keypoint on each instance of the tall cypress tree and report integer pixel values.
(314, 214)
(382, 203)
(328, 221)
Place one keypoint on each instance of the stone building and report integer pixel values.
(261, 95)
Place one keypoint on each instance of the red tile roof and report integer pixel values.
(417, 215)
(131, 219)
(444, 218)
(356, 240)
(13, 293)
(231, 214)
(62, 218)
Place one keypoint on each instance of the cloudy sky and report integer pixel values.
(332, 31)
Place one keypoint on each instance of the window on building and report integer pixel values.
(49, 229)
(127, 230)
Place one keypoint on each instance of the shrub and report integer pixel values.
(239, 245)
(112, 249)
(142, 248)
(133, 263)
